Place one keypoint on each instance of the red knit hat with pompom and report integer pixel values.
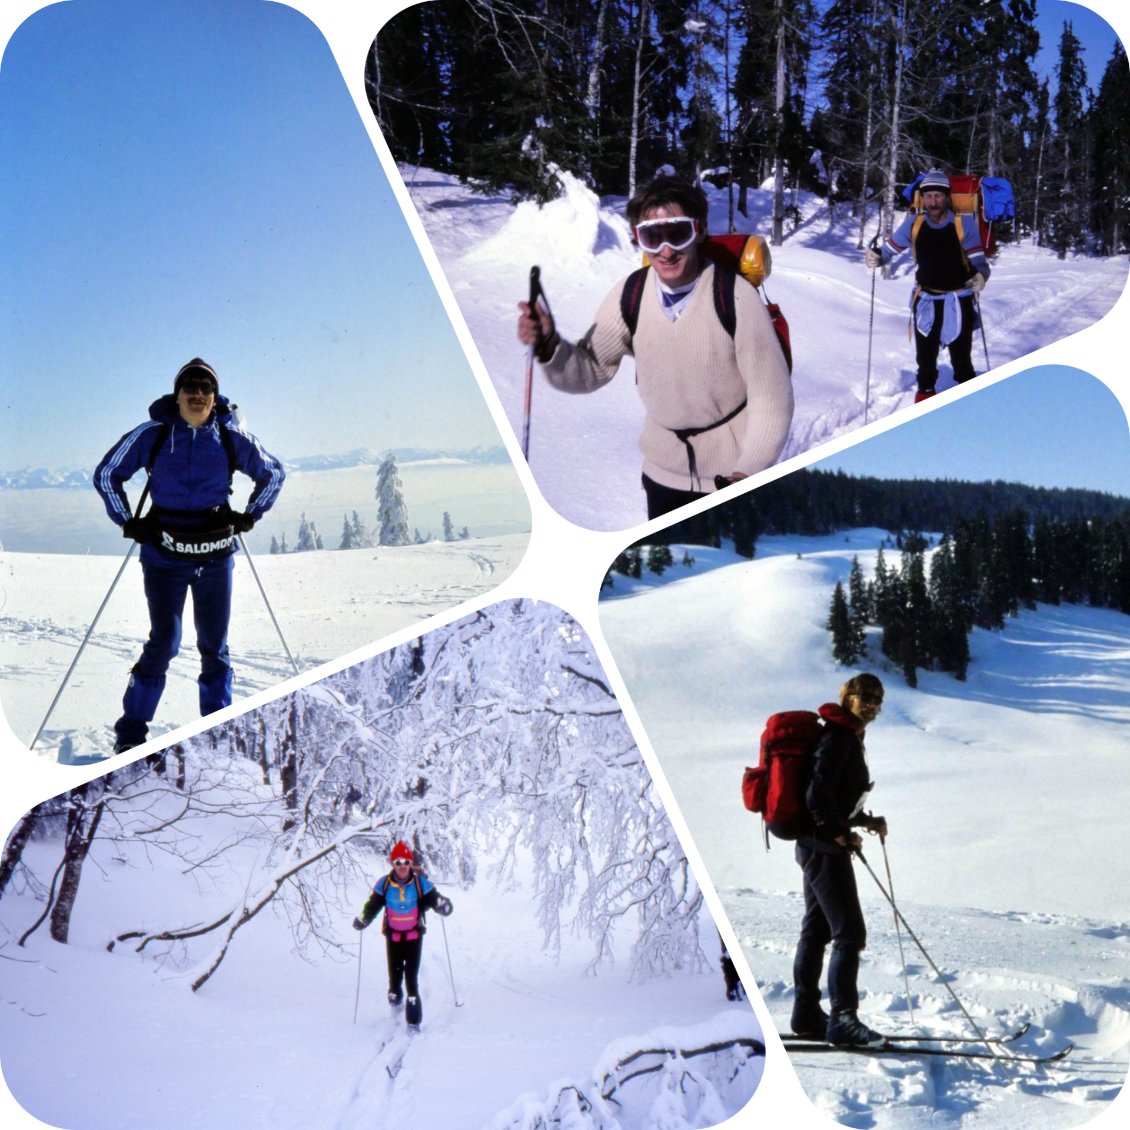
(400, 850)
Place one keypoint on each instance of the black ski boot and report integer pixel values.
(845, 1029)
(809, 1023)
(413, 1012)
(394, 998)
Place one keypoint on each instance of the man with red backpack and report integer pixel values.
(952, 271)
(837, 791)
(403, 894)
(718, 404)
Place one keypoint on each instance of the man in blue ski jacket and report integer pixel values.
(191, 446)
(404, 894)
(952, 271)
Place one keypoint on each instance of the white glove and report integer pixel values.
(873, 259)
(976, 283)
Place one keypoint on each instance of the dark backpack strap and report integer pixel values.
(162, 435)
(724, 280)
(631, 298)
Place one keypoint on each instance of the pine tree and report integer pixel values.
(448, 528)
(859, 607)
(1063, 219)
(839, 624)
(307, 536)
(1111, 218)
(392, 514)
(659, 558)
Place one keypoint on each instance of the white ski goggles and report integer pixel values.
(677, 232)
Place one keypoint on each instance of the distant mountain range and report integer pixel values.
(29, 478)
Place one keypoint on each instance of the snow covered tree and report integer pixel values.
(448, 528)
(274, 544)
(307, 536)
(392, 514)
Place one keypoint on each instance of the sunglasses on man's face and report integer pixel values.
(401, 863)
(194, 387)
(870, 699)
(677, 233)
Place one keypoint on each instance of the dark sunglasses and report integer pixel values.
(871, 699)
(205, 387)
(402, 863)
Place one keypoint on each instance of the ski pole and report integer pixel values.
(981, 323)
(536, 292)
(270, 610)
(85, 640)
(914, 937)
(450, 971)
(357, 994)
(898, 930)
(870, 335)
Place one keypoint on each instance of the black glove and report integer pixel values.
(241, 522)
(358, 924)
(140, 529)
(443, 906)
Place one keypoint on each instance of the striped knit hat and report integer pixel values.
(198, 370)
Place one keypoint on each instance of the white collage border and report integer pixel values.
(564, 564)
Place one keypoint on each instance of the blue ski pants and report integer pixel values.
(167, 584)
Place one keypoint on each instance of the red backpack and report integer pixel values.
(775, 788)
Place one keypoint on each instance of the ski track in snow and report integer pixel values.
(583, 449)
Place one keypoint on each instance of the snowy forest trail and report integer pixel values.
(583, 449)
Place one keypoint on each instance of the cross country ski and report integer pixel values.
(911, 1050)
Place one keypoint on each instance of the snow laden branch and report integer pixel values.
(494, 741)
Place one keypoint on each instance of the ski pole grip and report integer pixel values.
(535, 286)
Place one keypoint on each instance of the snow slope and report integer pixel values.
(327, 605)
(278, 1039)
(583, 449)
(1006, 797)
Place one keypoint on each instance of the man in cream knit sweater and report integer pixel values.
(718, 407)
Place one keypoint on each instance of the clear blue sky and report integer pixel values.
(1051, 426)
(192, 177)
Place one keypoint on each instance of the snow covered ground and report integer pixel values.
(583, 449)
(1006, 797)
(93, 1039)
(328, 605)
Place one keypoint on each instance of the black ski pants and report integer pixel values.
(832, 915)
(404, 964)
(927, 347)
(662, 500)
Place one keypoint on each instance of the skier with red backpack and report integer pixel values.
(403, 894)
(711, 373)
(952, 271)
(811, 787)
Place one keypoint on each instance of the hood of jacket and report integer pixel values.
(840, 716)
